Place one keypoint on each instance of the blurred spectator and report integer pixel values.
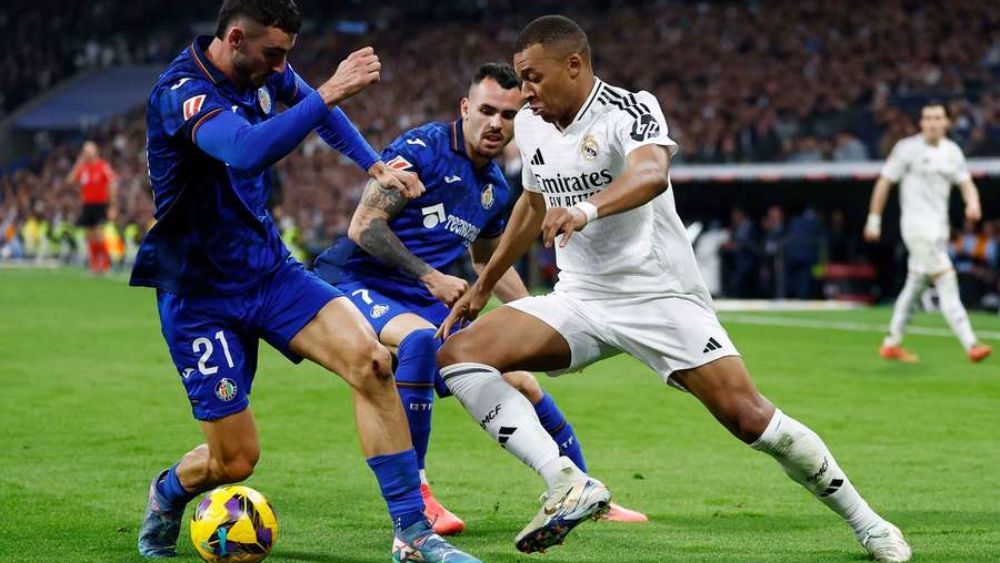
(742, 250)
(849, 148)
(802, 253)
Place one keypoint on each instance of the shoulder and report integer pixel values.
(953, 147)
(906, 146)
(427, 137)
(624, 104)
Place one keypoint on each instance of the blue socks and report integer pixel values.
(169, 487)
(415, 375)
(400, 483)
(560, 429)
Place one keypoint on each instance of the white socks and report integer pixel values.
(506, 414)
(950, 302)
(907, 300)
(806, 459)
(953, 310)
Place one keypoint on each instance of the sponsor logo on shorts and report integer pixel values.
(712, 346)
(186, 372)
(379, 310)
(225, 389)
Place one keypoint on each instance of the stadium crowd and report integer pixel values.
(739, 82)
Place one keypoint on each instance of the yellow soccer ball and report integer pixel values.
(234, 524)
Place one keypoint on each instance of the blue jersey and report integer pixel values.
(214, 233)
(460, 205)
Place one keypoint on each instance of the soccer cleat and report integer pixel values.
(979, 352)
(885, 542)
(617, 513)
(897, 353)
(160, 528)
(420, 543)
(565, 507)
(442, 519)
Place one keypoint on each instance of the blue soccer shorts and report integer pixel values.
(379, 309)
(214, 340)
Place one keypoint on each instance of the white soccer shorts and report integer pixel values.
(928, 256)
(664, 332)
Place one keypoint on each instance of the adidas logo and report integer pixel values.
(834, 487)
(537, 159)
(505, 433)
(712, 345)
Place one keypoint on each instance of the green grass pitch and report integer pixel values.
(91, 407)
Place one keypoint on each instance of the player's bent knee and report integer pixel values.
(526, 384)
(457, 349)
(370, 368)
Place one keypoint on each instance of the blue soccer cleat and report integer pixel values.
(420, 543)
(160, 528)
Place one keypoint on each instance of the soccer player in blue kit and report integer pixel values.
(391, 264)
(224, 279)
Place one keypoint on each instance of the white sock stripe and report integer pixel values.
(466, 368)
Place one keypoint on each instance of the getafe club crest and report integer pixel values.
(225, 389)
(379, 310)
(590, 148)
(264, 99)
(487, 199)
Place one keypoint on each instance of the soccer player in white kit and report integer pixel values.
(926, 165)
(595, 172)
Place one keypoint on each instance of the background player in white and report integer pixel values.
(926, 165)
(596, 159)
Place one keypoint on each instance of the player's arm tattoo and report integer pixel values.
(377, 238)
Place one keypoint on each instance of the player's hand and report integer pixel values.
(447, 289)
(973, 213)
(113, 213)
(466, 309)
(562, 220)
(388, 178)
(873, 228)
(355, 73)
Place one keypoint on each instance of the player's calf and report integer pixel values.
(725, 388)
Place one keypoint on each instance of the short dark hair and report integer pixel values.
(548, 30)
(502, 73)
(283, 14)
(935, 104)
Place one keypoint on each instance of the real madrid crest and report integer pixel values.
(264, 99)
(590, 148)
(487, 199)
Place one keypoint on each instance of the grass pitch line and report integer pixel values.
(845, 326)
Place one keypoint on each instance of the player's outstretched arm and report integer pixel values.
(369, 228)
(522, 230)
(510, 286)
(873, 226)
(231, 139)
(644, 178)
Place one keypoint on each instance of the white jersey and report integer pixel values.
(926, 174)
(641, 251)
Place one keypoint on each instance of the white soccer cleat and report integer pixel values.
(575, 500)
(885, 542)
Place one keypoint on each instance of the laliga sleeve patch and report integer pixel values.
(192, 106)
(399, 163)
(644, 127)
